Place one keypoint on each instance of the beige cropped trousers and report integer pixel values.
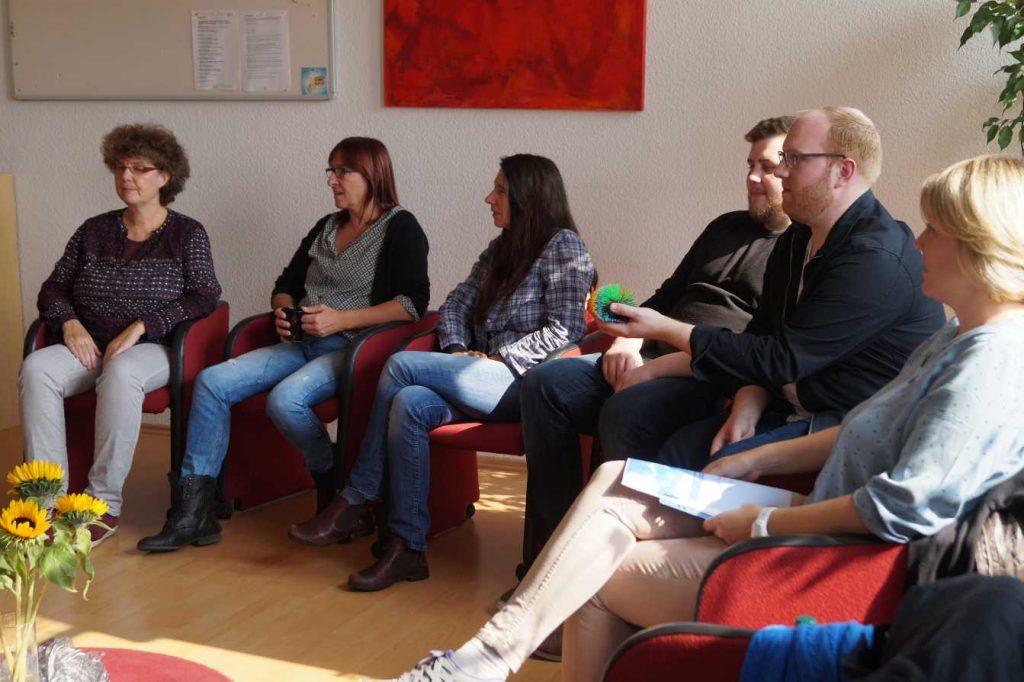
(619, 561)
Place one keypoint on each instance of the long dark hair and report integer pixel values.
(539, 209)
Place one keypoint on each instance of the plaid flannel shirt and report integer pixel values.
(545, 312)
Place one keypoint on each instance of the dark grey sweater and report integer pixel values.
(719, 281)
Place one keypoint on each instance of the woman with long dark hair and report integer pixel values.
(524, 298)
(363, 265)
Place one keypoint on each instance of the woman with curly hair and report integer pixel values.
(126, 279)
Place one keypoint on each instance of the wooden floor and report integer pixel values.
(257, 607)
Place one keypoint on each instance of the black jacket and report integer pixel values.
(965, 629)
(401, 267)
(859, 317)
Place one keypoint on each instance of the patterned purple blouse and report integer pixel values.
(169, 279)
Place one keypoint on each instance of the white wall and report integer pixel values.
(642, 185)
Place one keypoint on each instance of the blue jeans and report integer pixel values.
(301, 375)
(418, 392)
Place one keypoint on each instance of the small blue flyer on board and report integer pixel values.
(314, 81)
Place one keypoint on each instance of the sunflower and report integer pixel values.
(24, 520)
(37, 479)
(33, 471)
(80, 508)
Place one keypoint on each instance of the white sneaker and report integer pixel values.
(441, 667)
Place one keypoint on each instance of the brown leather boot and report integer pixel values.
(338, 522)
(398, 562)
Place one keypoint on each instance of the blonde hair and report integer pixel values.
(980, 203)
(855, 136)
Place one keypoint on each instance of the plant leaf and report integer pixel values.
(981, 18)
(962, 8)
(996, 29)
(58, 566)
(993, 130)
(1005, 135)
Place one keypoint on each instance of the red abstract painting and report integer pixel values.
(547, 54)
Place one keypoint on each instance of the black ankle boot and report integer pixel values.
(191, 520)
(323, 481)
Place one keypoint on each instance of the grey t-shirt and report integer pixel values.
(920, 452)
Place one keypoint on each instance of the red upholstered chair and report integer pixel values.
(453, 447)
(773, 580)
(261, 465)
(195, 344)
(687, 650)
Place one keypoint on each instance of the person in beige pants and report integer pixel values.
(905, 463)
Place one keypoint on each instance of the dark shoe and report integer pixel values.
(191, 520)
(551, 648)
(323, 481)
(398, 563)
(338, 522)
(99, 533)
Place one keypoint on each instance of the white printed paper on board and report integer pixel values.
(267, 51)
(216, 50)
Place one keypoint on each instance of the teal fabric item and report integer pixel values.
(805, 653)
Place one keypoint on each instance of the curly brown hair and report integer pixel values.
(154, 143)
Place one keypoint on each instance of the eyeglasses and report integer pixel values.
(339, 172)
(136, 171)
(791, 159)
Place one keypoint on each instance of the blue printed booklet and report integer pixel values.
(703, 495)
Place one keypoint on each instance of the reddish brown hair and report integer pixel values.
(369, 158)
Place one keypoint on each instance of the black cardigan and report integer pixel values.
(401, 267)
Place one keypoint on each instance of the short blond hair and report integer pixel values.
(980, 203)
(855, 136)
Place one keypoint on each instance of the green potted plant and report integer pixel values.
(1005, 21)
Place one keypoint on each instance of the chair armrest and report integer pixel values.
(426, 323)
(255, 331)
(597, 342)
(35, 338)
(197, 344)
(697, 651)
(365, 357)
(765, 581)
(423, 341)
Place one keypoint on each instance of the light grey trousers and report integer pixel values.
(618, 561)
(51, 374)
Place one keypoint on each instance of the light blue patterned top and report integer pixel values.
(925, 448)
